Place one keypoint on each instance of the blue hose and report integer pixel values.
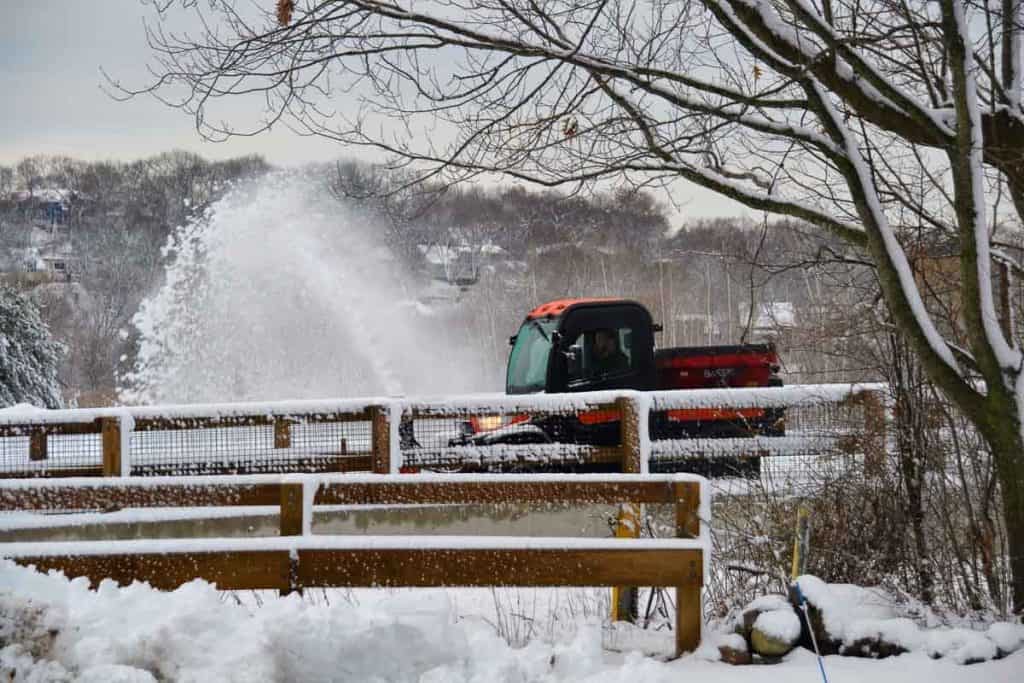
(810, 629)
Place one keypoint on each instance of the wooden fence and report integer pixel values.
(385, 435)
(299, 559)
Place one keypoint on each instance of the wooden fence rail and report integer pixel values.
(343, 436)
(298, 559)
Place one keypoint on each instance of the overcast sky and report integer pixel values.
(51, 53)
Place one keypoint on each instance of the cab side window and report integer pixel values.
(599, 353)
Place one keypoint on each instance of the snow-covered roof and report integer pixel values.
(45, 194)
(770, 315)
(443, 254)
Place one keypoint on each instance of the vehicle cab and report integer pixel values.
(574, 345)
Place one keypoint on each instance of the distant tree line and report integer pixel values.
(117, 222)
(703, 279)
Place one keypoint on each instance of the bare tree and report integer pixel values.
(842, 113)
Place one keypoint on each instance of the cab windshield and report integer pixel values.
(528, 362)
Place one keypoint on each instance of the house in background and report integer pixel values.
(771, 321)
(458, 264)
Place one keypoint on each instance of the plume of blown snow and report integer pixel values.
(281, 291)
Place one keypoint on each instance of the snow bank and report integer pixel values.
(963, 646)
(198, 634)
(902, 633)
(864, 621)
(1007, 637)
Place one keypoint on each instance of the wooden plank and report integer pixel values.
(625, 602)
(62, 428)
(37, 445)
(875, 454)
(630, 434)
(244, 570)
(291, 510)
(149, 424)
(689, 611)
(282, 433)
(462, 414)
(111, 430)
(416, 567)
(111, 497)
(291, 516)
(55, 472)
(689, 614)
(428, 492)
(381, 439)
(687, 509)
(140, 494)
(310, 465)
(481, 460)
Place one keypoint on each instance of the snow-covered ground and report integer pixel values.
(52, 629)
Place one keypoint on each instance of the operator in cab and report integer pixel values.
(608, 357)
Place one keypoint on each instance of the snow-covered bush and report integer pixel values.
(29, 356)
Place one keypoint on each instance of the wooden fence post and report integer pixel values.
(630, 434)
(688, 602)
(380, 428)
(626, 599)
(292, 524)
(37, 444)
(873, 441)
(110, 429)
(282, 433)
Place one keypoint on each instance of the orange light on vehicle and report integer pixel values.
(488, 423)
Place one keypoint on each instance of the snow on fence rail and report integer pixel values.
(299, 559)
(385, 435)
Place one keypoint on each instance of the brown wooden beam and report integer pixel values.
(451, 456)
(306, 465)
(55, 472)
(282, 433)
(111, 439)
(73, 428)
(149, 424)
(380, 421)
(497, 567)
(473, 492)
(244, 570)
(630, 434)
(291, 510)
(689, 610)
(424, 413)
(37, 445)
(79, 497)
(140, 494)
(687, 494)
(409, 567)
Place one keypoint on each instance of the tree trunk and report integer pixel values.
(1011, 481)
(1005, 440)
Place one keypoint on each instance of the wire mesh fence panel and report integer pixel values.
(334, 446)
(279, 444)
(42, 454)
(198, 451)
(497, 437)
(795, 434)
(779, 432)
